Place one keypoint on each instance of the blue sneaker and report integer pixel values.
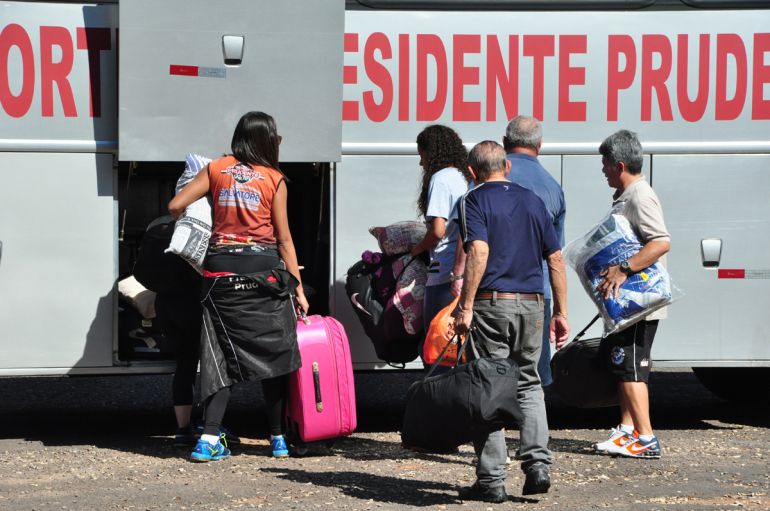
(279, 447)
(204, 451)
(231, 438)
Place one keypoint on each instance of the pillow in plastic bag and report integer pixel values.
(607, 244)
(399, 238)
(192, 230)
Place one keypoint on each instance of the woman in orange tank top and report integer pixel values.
(251, 280)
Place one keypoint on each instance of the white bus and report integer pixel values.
(92, 144)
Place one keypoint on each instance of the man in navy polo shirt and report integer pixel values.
(507, 232)
(522, 141)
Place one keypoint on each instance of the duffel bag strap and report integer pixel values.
(583, 331)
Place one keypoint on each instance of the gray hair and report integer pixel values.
(486, 158)
(523, 131)
(624, 146)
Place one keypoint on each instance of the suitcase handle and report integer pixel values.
(319, 405)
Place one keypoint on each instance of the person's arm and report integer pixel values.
(559, 327)
(459, 267)
(193, 191)
(434, 234)
(284, 241)
(475, 266)
(649, 254)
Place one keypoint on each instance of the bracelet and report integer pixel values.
(453, 277)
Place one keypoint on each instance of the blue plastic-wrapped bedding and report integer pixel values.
(609, 243)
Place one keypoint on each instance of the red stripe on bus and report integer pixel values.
(183, 70)
(732, 274)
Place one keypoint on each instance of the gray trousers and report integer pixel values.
(512, 328)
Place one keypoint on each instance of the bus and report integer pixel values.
(100, 102)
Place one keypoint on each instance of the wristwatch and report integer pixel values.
(453, 277)
(625, 267)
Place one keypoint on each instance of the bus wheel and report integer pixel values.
(740, 384)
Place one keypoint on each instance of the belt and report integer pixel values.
(499, 295)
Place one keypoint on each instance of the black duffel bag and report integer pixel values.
(580, 375)
(161, 271)
(450, 409)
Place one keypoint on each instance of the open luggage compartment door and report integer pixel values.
(190, 68)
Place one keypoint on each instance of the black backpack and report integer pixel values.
(371, 288)
(164, 273)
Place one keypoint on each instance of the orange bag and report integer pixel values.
(440, 331)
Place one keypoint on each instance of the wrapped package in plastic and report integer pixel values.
(607, 244)
(192, 230)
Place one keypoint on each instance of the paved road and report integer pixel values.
(103, 443)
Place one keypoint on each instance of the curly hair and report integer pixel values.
(441, 147)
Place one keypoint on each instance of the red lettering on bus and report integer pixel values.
(692, 110)
(462, 75)
(655, 78)
(538, 47)
(379, 75)
(403, 77)
(350, 107)
(760, 107)
(94, 40)
(568, 76)
(497, 77)
(430, 45)
(618, 79)
(56, 72)
(14, 35)
(730, 45)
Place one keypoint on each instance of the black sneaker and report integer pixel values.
(537, 480)
(185, 437)
(495, 495)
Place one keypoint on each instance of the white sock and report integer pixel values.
(625, 428)
(212, 439)
(646, 438)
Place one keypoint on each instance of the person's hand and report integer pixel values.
(559, 330)
(457, 286)
(302, 301)
(463, 318)
(613, 279)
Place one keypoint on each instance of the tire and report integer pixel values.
(739, 384)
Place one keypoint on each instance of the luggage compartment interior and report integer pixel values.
(145, 189)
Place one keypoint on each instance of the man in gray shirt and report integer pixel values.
(627, 353)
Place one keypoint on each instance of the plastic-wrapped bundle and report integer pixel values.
(192, 231)
(607, 244)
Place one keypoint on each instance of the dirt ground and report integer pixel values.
(104, 443)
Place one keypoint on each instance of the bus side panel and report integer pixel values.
(57, 272)
(716, 196)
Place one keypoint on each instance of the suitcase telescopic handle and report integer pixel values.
(319, 405)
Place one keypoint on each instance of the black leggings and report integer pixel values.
(180, 320)
(274, 389)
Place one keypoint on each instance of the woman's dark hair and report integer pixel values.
(256, 140)
(441, 147)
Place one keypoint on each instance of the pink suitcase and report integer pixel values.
(322, 399)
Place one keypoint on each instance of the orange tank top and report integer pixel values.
(243, 202)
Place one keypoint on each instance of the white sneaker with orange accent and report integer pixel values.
(615, 443)
(641, 449)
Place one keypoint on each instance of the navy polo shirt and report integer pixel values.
(515, 224)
